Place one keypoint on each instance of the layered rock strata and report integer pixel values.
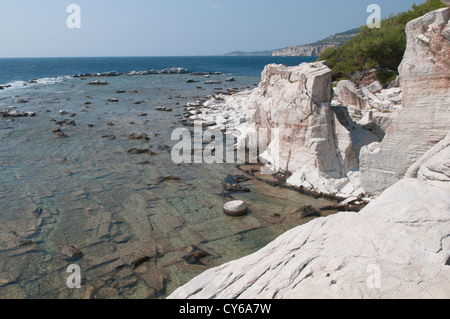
(425, 117)
(306, 136)
(396, 247)
(303, 50)
(316, 142)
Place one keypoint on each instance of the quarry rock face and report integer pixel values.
(316, 142)
(396, 247)
(425, 118)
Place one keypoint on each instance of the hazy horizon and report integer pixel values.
(176, 28)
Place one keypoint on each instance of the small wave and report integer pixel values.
(24, 84)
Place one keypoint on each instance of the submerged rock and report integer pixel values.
(139, 261)
(6, 279)
(309, 211)
(194, 257)
(236, 188)
(138, 151)
(170, 178)
(109, 137)
(69, 252)
(138, 136)
(60, 133)
(89, 293)
(66, 122)
(163, 109)
(98, 82)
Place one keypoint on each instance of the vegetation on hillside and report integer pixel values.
(338, 39)
(381, 48)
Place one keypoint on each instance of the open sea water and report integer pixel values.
(26, 69)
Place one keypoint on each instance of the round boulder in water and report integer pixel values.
(235, 208)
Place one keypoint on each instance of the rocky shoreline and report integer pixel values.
(363, 143)
(110, 199)
(382, 155)
(239, 114)
(166, 71)
(175, 70)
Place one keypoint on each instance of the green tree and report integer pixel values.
(382, 48)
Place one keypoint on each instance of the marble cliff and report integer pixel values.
(398, 246)
(425, 118)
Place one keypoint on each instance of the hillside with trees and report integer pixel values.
(381, 48)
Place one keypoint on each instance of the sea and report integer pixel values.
(140, 225)
(25, 69)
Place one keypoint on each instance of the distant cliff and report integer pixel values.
(254, 53)
(314, 49)
(302, 50)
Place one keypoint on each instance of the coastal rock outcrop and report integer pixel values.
(177, 70)
(349, 94)
(305, 135)
(370, 106)
(14, 112)
(174, 71)
(434, 164)
(316, 48)
(316, 142)
(397, 247)
(425, 117)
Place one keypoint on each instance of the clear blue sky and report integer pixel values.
(37, 28)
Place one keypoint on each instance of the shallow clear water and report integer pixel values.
(87, 191)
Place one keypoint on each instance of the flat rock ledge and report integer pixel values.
(397, 247)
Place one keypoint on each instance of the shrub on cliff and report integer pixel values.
(381, 48)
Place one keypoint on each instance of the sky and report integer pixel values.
(31, 28)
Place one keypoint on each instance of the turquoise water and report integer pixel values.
(88, 191)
